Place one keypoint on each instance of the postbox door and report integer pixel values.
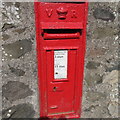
(61, 88)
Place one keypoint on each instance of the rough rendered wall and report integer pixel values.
(19, 64)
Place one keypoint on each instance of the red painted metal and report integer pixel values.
(60, 26)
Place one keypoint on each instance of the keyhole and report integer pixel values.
(54, 89)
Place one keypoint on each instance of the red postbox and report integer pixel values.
(60, 34)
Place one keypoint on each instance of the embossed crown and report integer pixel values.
(62, 12)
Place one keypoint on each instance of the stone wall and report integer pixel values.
(19, 63)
